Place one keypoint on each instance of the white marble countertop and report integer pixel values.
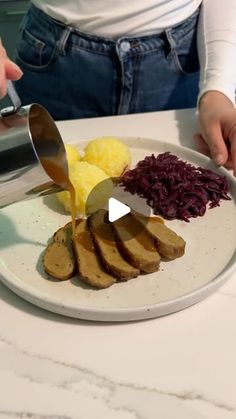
(177, 367)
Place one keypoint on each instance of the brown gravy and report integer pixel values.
(56, 172)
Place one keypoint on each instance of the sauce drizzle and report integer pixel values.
(61, 178)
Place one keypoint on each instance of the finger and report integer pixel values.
(13, 72)
(3, 86)
(201, 145)
(216, 143)
(204, 149)
(233, 152)
(3, 53)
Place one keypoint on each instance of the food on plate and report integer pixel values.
(72, 154)
(108, 153)
(59, 260)
(84, 177)
(169, 244)
(103, 253)
(88, 263)
(105, 158)
(105, 242)
(136, 246)
(175, 188)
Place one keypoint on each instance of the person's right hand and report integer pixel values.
(8, 70)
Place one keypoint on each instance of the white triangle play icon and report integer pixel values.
(116, 209)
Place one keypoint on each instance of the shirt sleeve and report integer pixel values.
(217, 47)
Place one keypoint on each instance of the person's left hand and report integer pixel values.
(217, 118)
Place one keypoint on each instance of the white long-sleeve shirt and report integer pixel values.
(216, 29)
(115, 18)
(217, 47)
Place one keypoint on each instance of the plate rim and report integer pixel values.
(122, 314)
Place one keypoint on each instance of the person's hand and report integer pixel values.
(8, 70)
(217, 118)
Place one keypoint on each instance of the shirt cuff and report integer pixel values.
(217, 85)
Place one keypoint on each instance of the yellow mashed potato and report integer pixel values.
(84, 177)
(108, 153)
(72, 154)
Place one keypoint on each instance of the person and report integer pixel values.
(85, 59)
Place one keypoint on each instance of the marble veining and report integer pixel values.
(120, 400)
(227, 294)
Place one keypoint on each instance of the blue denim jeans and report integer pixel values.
(78, 75)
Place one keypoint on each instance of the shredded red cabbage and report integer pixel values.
(174, 188)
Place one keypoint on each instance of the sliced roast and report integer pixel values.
(58, 259)
(135, 245)
(89, 266)
(168, 243)
(105, 243)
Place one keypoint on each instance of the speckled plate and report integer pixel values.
(209, 259)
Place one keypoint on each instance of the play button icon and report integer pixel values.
(116, 210)
(119, 206)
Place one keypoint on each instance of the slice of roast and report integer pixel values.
(88, 263)
(169, 244)
(59, 260)
(135, 244)
(105, 243)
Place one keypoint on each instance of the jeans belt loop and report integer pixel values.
(62, 42)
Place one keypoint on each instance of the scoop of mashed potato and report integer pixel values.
(108, 153)
(72, 154)
(92, 186)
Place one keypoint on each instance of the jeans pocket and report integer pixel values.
(34, 53)
(184, 48)
(187, 60)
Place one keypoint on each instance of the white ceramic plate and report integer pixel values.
(209, 259)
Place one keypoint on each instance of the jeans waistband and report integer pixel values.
(65, 34)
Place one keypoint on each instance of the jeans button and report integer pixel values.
(125, 46)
